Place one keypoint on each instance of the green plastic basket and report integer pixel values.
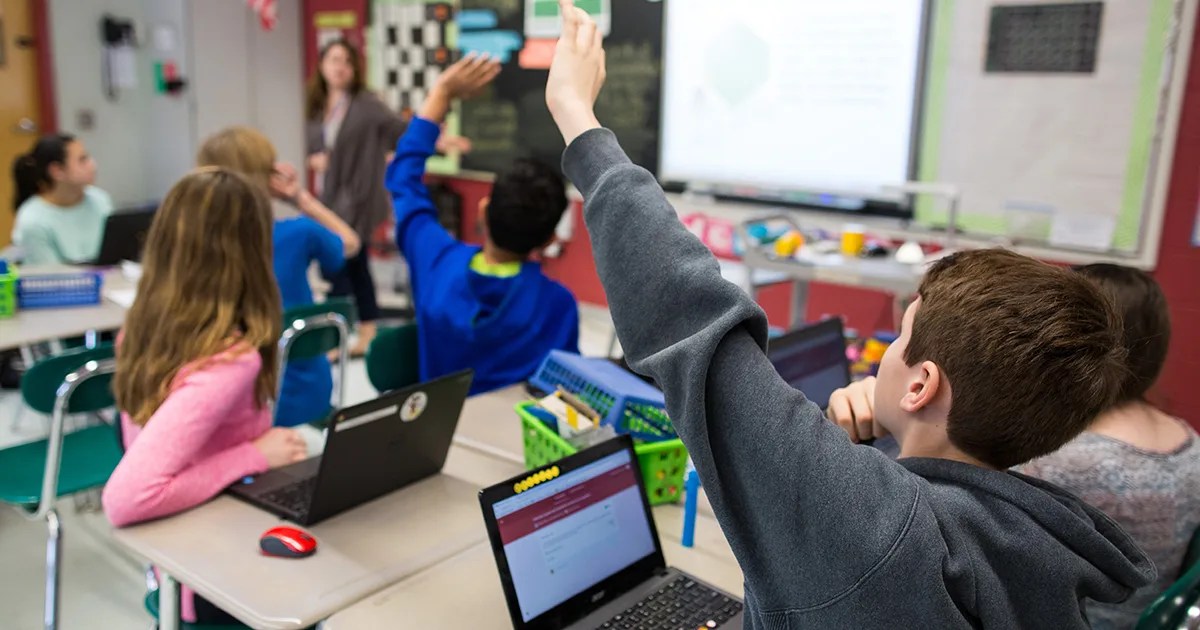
(663, 463)
(8, 292)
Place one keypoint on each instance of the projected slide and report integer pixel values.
(805, 95)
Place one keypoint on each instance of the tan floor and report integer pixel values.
(103, 587)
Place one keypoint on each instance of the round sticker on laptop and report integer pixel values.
(414, 407)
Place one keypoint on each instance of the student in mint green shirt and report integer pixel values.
(60, 214)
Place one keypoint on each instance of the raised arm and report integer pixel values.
(418, 234)
(789, 489)
(285, 185)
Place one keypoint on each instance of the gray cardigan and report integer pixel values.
(829, 534)
(354, 179)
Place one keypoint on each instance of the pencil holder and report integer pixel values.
(663, 463)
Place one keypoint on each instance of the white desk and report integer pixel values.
(465, 592)
(31, 327)
(214, 550)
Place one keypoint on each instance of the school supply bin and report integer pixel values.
(613, 392)
(663, 463)
(59, 290)
(8, 290)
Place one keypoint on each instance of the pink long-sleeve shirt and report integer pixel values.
(193, 447)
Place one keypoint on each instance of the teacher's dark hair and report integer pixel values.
(31, 172)
(318, 90)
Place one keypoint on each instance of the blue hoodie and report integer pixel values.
(502, 327)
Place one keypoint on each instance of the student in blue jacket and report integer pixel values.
(489, 308)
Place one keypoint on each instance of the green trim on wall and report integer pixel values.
(942, 34)
(1145, 118)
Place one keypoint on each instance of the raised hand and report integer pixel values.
(468, 76)
(576, 74)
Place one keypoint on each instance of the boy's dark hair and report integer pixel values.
(1145, 319)
(526, 205)
(1031, 352)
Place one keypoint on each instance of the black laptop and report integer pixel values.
(813, 359)
(577, 549)
(370, 450)
(125, 235)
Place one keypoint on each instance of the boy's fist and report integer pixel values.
(576, 74)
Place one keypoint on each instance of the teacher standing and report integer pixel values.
(350, 135)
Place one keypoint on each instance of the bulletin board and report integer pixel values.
(510, 118)
(1048, 145)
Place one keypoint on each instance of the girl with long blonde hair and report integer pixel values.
(319, 235)
(196, 360)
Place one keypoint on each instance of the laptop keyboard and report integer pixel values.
(684, 604)
(294, 498)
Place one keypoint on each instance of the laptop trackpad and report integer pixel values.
(287, 475)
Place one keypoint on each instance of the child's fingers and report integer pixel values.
(839, 412)
(566, 8)
(586, 31)
(598, 41)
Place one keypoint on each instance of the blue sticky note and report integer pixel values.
(476, 19)
(497, 44)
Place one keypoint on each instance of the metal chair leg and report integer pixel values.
(54, 547)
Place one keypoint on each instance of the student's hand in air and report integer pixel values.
(281, 447)
(576, 74)
(853, 408)
(468, 76)
(318, 162)
(285, 184)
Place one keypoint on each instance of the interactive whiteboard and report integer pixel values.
(793, 98)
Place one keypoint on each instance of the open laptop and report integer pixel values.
(370, 450)
(125, 235)
(577, 549)
(813, 359)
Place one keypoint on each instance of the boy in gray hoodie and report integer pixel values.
(1000, 359)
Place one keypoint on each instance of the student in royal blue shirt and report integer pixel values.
(318, 235)
(488, 308)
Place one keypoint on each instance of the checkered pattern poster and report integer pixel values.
(409, 44)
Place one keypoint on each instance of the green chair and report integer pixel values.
(392, 359)
(315, 330)
(1179, 607)
(34, 475)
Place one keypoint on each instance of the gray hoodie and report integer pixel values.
(829, 535)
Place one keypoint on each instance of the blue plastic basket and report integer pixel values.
(59, 290)
(624, 401)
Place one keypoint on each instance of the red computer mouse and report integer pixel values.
(287, 542)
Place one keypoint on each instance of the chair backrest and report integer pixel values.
(392, 359)
(39, 386)
(1173, 610)
(314, 342)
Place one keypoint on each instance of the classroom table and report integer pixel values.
(490, 425)
(465, 592)
(30, 327)
(214, 550)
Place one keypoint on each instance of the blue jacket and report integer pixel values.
(307, 384)
(500, 327)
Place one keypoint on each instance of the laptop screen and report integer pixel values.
(569, 534)
(813, 360)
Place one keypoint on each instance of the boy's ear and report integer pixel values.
(483, 206)
(923, 389)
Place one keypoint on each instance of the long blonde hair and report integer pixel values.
(207, 288)
(242, 150)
